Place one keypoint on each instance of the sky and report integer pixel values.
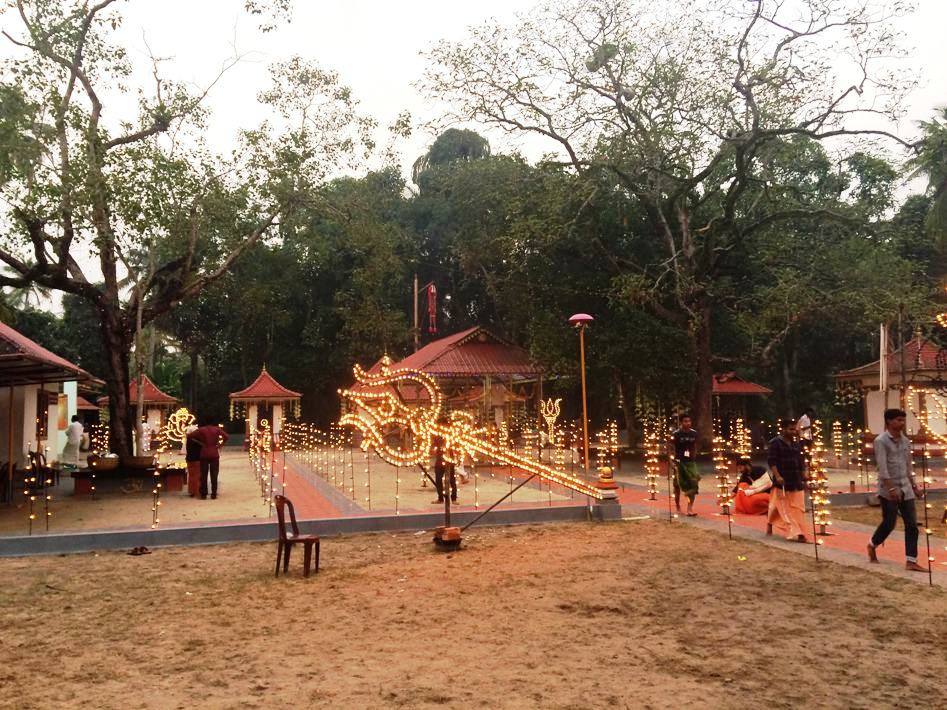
(376, 48)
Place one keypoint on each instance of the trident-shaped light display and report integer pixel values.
(550, 409)
(402, 435)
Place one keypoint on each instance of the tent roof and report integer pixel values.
(730, 383)
(475, 352)
(264, 388)
(25, 362)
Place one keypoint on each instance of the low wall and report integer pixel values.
(263, 531)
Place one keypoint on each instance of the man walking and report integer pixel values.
(687, 479)
(897, 489)
(211, 437)
(787, 500)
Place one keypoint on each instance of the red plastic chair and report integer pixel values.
(288, 539)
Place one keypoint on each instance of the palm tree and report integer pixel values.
(14, 300)
(452, 146)
(931, 162)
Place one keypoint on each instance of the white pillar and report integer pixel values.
(277, 418)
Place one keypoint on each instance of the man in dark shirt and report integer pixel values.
(685, 453)
(787, 501)
(211, 438)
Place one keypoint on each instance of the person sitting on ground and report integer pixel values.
(687, 479)
(748, 473)
(750, 496)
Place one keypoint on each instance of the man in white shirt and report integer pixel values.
(70, 453)
(804, 425)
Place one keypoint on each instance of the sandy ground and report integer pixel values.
(634, 614)
(239, 498)
(872, 516)
(352, 472)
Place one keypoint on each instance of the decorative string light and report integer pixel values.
(550, 410)
(377, 409)
(29, 488)
(652, 462)
(819, 484)
(837, 444)
(723, 481)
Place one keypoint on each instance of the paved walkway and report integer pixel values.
(846, 544)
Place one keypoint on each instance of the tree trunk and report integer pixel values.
(701, 410)
(117, 346)
(627, 409)
(789, 404)
(192, 394)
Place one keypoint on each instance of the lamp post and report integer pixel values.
(580, 321)
(606, 481)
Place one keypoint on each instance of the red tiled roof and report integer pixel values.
(474, 352)
(83, 403)
(264, 387)
(919, 354)
(153, 395)
(23, 361)
(730, 383)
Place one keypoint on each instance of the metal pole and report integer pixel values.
(585, 410)
(530, 478)
(417, 332)
(9, 484)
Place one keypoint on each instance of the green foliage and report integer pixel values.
(931, 162)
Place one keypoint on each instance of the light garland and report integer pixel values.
(723, 476)
(550, 410)
(837, 446)
(819, 484)
(652, 453)
(376, 410)
(29, 486)
(611, 429)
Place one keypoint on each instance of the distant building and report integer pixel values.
(924, 379)
(478, 371)
(38, 397)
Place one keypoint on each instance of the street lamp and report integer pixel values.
(580, 321)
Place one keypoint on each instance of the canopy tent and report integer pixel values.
(37, 399)
(265, 393)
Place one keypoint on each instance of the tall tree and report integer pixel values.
(931, 163)
(683, 106)
(157, 213)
